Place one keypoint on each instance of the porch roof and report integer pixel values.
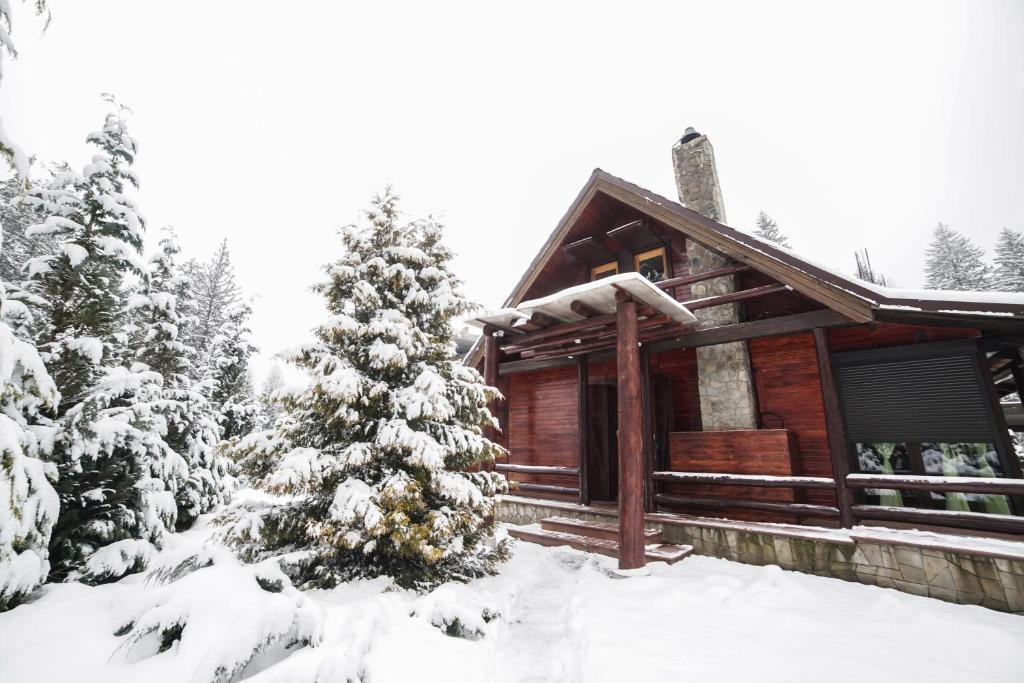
(598, 296)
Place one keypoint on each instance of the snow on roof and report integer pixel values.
(598, 295)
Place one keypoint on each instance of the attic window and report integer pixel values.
(604, 270)
(652, 264)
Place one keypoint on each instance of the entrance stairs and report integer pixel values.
(596, 537)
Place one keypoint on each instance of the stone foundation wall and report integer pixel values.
(960, 576)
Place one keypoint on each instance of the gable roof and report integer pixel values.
(858, 300)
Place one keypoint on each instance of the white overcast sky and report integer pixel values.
(855, 124)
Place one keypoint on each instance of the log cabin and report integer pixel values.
(654, 361)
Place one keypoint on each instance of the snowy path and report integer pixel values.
(562, 619)
(535, 644)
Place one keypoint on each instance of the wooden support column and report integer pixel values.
(834, 426)
(1003, 440)
(631, 453)
(583, 420)
(646, 399)
(491, 352)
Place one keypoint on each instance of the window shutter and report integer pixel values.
(921, 393)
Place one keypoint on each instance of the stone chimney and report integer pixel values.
(723, 371)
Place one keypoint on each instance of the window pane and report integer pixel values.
(884, 458)
(965, 460)
(604, 270)
(652, 267)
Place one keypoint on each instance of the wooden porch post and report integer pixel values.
(834, 426)
(491, 352)
(631, 453)
(646, 398)
(583, 420)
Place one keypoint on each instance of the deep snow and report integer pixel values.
(563, 617)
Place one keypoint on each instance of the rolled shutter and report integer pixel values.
(921, 393)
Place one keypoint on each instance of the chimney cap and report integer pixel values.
(689, 134)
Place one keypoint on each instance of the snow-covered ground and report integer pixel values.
(562, 616)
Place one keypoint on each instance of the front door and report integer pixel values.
(602, 444)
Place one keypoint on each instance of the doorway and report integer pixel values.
(602, 443)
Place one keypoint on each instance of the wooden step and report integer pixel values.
(602, 530)
(656, 552)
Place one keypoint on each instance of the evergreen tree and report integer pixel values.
(16, 215)
(28, 502)
(952, 261)
(768, 229)
(192, 430)
(214, 294)
(270, 402)
(1009, 262)
(117, 475)
(376, 453)
(230, 378)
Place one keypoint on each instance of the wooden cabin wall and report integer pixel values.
(880, 335)
(543, 427)
(681, 367)
(789, 396)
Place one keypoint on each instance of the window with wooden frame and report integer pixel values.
(652, 264)
(604, 270)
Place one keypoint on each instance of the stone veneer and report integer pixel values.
(920, 566)
(724, 377)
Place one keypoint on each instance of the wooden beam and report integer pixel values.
(976, 521)
(1003, 440)
(989, 485)
(582, 425)
(630, 439)
(491, 361)
(648, 427)
(756, 329)
(802, 509)
(546, 488)
(742, 295)
(584, 336)
(535, 469)
(765, 480)
(536, 321)
(837, 446)
(602, 343)
(701, 277)
(582, 308)
(566, 329)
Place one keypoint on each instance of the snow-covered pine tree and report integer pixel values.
(1009, 261)
(192, 430)
(952, 261)
(116, 473)
(269, 401)
(376, 454)
(229, 376)
(16, 215)
(28, 502)
(768, 229)
(214, 294)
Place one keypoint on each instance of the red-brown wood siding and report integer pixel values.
(681, 367)
(787, 384)
(879, 335)
(543, 423)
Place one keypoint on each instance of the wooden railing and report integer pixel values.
(540, 469)
(768, 481)
(979, 521)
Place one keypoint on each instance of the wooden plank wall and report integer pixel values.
(880, 335)
(681, 368)
(543, 423)
(787, 384)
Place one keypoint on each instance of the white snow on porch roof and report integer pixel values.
(599, 295)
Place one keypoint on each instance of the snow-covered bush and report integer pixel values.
(209, 608)
(374, 456)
